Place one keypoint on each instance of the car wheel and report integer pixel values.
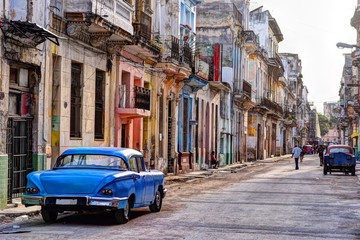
(325, 170)
(156, 206)
(353, 170)
(49, 216)
(122, 215)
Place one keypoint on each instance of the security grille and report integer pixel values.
(19, 150)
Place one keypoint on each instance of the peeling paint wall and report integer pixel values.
(68, 52)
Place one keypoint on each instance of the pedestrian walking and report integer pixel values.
(321, 154)
(296, 155)
(214, 161)
(302, 154)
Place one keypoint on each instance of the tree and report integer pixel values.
(324, 123)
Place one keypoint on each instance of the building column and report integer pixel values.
(4, 165)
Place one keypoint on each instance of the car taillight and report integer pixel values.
(107, 191)
(32, 190)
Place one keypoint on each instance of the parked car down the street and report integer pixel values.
(339, 158)
(93, 179)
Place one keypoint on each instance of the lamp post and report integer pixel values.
(356, 47)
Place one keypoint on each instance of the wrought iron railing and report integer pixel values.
(143, 25)
(142, 98)
(271, 105)
(175, 48)
(139, 98)
(187, 54)
(250, 37)
(237, 14)
(247, 88)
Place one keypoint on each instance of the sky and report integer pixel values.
(311, 29)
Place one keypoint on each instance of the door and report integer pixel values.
(139, 182)
(149, 184)
(19, 150)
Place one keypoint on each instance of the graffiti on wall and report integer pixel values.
(252, 126)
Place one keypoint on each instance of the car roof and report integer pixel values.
(339, 146)
(124, 153)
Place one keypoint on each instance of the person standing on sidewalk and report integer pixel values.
(296, 154)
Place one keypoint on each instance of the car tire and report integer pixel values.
(325, 170)
(353, 170)
(49, 216)
(122, 215)
(156, 205)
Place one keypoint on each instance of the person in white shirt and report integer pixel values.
(296, 154)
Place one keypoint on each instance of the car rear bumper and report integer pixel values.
(74, 201)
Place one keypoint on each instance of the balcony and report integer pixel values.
(237, 14)
(273, 106)
(134, 103)
(143, 26)
(247, 89)
(170, 49)
(143, 45)
(116, 13)
(289, 118)
(170, 62)
(243, 97)
(251, 42)
(187, 53)
(105, 25)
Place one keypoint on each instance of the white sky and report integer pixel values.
(311, 28)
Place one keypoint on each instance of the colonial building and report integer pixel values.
(220, 25)
(269, 34)
(24, 93)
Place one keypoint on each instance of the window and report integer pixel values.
(99, 104)
(19, 10)
(140, 164)
(340, 150)
(132, 163)
(76, 101)
(20, 96)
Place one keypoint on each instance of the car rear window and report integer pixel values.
(338, 150)
(92, 161)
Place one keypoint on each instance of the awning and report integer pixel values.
(27, 33)
(354, 135)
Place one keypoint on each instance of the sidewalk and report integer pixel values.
(18, 212)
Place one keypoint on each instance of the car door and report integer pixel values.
(139, 181)
(148, 180)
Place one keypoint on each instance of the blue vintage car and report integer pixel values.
(96, 178)
(339, 158)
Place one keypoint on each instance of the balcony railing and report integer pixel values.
(140, 98)
(175, 48)
(247, 88)
(237, 14)
(250, 37)
(187, 54)
(119, 12)
(143, 25)
(271, 105)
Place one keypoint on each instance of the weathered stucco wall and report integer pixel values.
(69, 52)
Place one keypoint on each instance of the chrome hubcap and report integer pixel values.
(157, 198)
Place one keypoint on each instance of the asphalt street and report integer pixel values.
(264, 201)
